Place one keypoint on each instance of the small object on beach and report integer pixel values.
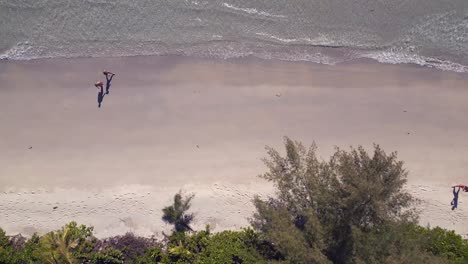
(405, 111)
(278, 95)
(55, 207)
(30, 147)
(198, 146)
(408, 133)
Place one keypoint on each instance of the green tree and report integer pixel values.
(66, 244)
(230, 247)
(153, 255)
(393, 243)
(131, 246)
(29, 253)
(107, 256)
(204, 247)
(444, 243)
(183, 248)
(176, 214)
(319, 203)
(7, 253)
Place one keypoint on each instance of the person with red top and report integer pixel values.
(463, 187)
(100, 85)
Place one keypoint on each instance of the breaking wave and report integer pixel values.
(327, 32)
(252, 11)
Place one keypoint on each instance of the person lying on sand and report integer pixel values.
(463, 187)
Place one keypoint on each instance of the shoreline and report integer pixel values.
(334, 56)
(160, 108)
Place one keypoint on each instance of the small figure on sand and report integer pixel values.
(454, 202)
(109, 79)
(100, 85)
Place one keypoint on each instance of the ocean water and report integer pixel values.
(432, 33)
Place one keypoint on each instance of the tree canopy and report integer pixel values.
(320, 204)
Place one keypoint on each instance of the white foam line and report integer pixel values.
(321, 40)
(252, 11)
(404, 58)
(278, 38)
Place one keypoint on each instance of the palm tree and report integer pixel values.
(58, 246)
(177, 215)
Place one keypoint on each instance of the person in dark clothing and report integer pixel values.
(109, 76)
(454, 202)
(100, 97)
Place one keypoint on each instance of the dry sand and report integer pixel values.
(116, 166)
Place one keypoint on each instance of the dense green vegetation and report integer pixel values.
(351, 208)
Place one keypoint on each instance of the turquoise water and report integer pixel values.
(427, 32)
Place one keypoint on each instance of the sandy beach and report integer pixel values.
(201, 125)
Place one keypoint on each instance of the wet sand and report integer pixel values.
(201, 125)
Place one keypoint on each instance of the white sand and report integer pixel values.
(117, 210)
(117, 166)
